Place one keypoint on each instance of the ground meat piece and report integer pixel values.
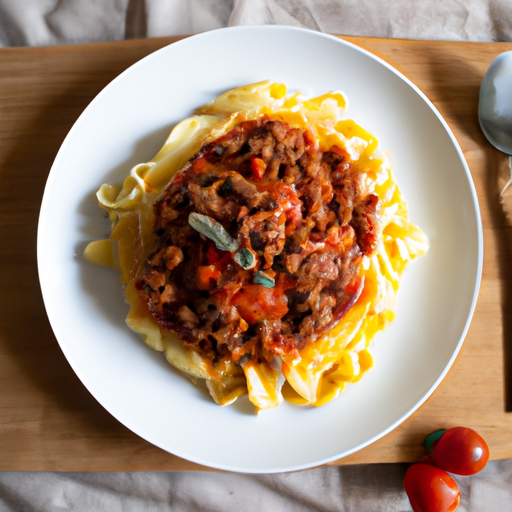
(319, 266)
(365, 223)
(187, 317)
(170, 257)
(238, 189)
(207, 200)
(169, 294)
(303, 218)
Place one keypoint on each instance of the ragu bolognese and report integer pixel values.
(271, 246)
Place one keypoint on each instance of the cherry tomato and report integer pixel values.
(427, 459)
(459, 450)
(431, 489)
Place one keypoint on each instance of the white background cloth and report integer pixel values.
(372, 488)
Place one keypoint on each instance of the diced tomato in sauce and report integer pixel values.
(207, 276)
(256, 302)
(258, 168)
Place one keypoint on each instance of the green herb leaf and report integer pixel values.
(245, 258)
(213, 230)
(264, 279)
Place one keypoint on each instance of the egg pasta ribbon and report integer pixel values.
(263, 246)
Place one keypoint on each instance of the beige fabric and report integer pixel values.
(477, 20)
(48, 22)
(354, 488)
(376, 488)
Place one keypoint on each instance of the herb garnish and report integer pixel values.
(264, 279)
(213, 230)
(245, 258)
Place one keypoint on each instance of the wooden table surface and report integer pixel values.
(49, 421)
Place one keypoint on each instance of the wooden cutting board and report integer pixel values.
(49, 421)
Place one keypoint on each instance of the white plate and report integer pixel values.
(127, 123)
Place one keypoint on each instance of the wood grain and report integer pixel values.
(49, 421)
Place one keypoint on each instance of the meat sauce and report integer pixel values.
(304, 222)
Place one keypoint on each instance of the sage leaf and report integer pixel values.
(245, 258)
(213, 230)
(264, 279)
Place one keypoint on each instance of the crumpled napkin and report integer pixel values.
(375, 488)
(49, 22)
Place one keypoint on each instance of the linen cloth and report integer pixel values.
(352, 488)
(48, 22)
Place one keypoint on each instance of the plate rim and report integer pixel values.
(476, 280)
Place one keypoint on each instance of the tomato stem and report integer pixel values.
(431, 440)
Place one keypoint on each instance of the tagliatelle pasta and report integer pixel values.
(262, 248)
